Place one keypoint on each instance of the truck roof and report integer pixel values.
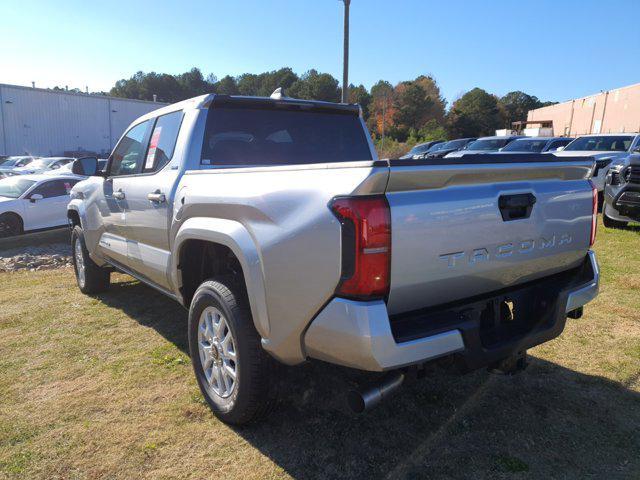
(214, 99)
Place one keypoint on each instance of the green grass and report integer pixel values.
(102, 388)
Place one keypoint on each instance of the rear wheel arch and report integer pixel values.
(226, 239)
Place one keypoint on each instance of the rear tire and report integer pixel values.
(90, 277)
(611, 223)
(234, 373)
(11, 225)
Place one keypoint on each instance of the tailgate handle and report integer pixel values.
(516, 207)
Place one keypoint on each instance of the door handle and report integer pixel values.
(119, 195)
(157, 197)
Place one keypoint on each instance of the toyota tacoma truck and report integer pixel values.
(275, 224)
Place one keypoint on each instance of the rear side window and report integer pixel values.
(163, 141)
(251, 136)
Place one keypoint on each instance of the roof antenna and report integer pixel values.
(278, 94)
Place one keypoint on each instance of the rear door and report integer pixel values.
(472, 225)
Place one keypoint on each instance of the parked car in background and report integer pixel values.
(606, 149)
(228, 205)
(622, 193)
(536, 145)
(34, 202)
(10, 163)
(421, 149)
(485, 145)
(445, 148)
(41, 165)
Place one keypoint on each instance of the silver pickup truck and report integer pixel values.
(273, 221)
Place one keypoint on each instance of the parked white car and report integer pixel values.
(608, 149)
(42, 165)
(34, 202)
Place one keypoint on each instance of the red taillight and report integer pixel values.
(594, 216)
(366, 245)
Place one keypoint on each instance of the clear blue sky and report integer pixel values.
(555, 50)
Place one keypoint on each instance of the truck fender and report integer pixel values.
(236, 237)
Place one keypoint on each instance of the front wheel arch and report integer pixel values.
(18, 217)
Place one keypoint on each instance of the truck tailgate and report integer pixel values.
(467, 226)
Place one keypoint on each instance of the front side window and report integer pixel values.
(54, 188)
(163, 141)
(128, 156)
(269, 136)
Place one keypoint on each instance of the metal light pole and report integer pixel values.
(345, 65)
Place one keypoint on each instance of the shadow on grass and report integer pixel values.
(548, 422)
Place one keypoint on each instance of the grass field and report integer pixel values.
(102, 388)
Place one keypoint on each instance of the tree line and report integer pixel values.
(409, 112)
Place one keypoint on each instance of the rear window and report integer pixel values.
(250, 136)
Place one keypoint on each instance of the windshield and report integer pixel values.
(418, 149)
(13, 187)
(608, 143)
(454, 144)
(42, 163)
(439, 146)
(16, 162)
(488, 144)
(525, 145)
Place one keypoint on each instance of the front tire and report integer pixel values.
(610, 222)
(90, 277)
(233, 371)
(10, 225)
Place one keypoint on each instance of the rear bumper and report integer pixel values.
(362, 335)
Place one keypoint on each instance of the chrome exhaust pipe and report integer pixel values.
(365, 398)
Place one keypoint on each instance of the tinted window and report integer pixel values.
(55, 188)
(558, 143)
(163, 141)
(248, 136)
(127, 157)
(455, 144)
(609, 143)
(418, 149)
(493, 144)
(530, 146)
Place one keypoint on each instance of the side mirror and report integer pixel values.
(559, 149)
(35, 197)
(636, 149)
(87, 166)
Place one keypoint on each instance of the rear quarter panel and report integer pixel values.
(286, 212)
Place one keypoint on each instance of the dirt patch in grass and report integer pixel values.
(102, 387)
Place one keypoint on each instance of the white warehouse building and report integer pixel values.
(35, 121)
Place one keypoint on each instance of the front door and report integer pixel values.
(148, 202)
(50, 210)
(125, 162)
